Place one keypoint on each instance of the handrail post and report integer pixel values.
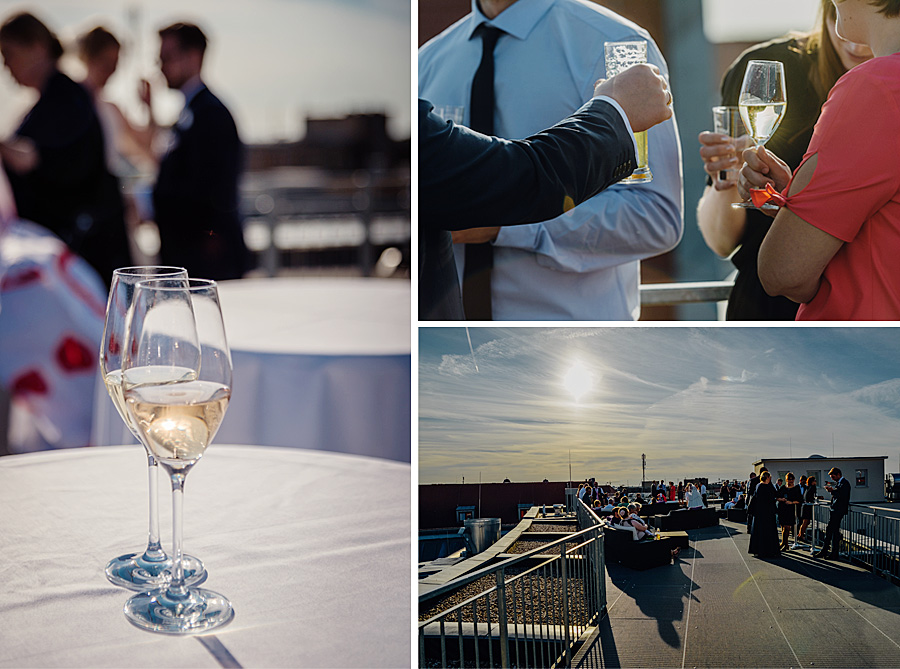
(565, 604)
(501, 615)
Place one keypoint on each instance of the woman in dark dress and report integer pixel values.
(789, 501)
(764, 535)
(809, 500)
(56, 162)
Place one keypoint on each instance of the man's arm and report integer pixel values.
(621, 224)
(470, 180)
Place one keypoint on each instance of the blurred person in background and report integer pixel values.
(583, 264)
(51, 321)
(56, 161)
(195, 199)
(129, 149)
(127, 146)
(813, 62)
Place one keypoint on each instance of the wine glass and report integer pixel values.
(175, 332)
(762, 102)
(152, 568)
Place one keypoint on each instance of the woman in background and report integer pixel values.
(764, 534)
(55, 161)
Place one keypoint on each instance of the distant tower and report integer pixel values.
(643, 469)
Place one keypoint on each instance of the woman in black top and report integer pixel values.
(809, 500)
(790, 499)
(764, 535)
(55, 162)
(813, 62)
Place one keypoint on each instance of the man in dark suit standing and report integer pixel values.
(469, 180)
(196, 193)
(840, 505)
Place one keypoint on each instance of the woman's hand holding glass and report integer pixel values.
(721, 153)
(760, 168)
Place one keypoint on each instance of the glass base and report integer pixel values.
(641, 175)
(134, 572)
(199, 611)
(750, 205)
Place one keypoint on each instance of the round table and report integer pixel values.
(319, 574)
(321, 363)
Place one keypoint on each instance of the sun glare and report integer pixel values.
(578, 381)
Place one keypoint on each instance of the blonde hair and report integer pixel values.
(827, 67)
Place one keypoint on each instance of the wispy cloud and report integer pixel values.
(705, 401)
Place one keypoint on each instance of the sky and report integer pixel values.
(736, 21)
(697, 401)
(273, 62)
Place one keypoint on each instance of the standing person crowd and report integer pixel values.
(66, 158)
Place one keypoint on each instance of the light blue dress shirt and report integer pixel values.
(584, 264)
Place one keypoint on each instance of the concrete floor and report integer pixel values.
(717, 606)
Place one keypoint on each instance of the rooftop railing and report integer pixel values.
(533, 610)
(869, 537)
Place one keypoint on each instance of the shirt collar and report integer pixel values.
(193, 86)
(517, 20)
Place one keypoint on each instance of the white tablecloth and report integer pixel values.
(312, 549)
(318, 363)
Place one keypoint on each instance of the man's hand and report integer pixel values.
(643, 94)
(475, 235)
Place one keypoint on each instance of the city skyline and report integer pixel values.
(698, 401)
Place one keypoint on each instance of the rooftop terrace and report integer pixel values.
(717, 606)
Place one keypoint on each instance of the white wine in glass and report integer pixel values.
(177, 326)
(152, 568)
(763, 103)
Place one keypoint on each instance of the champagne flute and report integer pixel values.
(152, 568)
(620, 56)
(175, 332)
(762, 102)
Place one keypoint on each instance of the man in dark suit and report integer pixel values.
(468, 180)
(196, 193)
(840, 505)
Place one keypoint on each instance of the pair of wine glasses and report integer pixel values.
(167, 367)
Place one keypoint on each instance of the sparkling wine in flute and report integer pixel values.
(761, 118)
(179, 420)
(177, 325)
(762, 102)
(150, 375)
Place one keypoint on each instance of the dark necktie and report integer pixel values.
(479, 258)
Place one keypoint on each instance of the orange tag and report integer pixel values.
(759, 196)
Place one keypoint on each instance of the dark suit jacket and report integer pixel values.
(71, 192)
(840, 497)
(196, 194)
(469, 180)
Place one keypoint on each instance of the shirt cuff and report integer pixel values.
(621, 111)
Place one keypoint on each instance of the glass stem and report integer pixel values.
(154, 552)
(177, 589)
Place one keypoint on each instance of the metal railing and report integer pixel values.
(868, 538)
(684, 292)
(533, 610)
